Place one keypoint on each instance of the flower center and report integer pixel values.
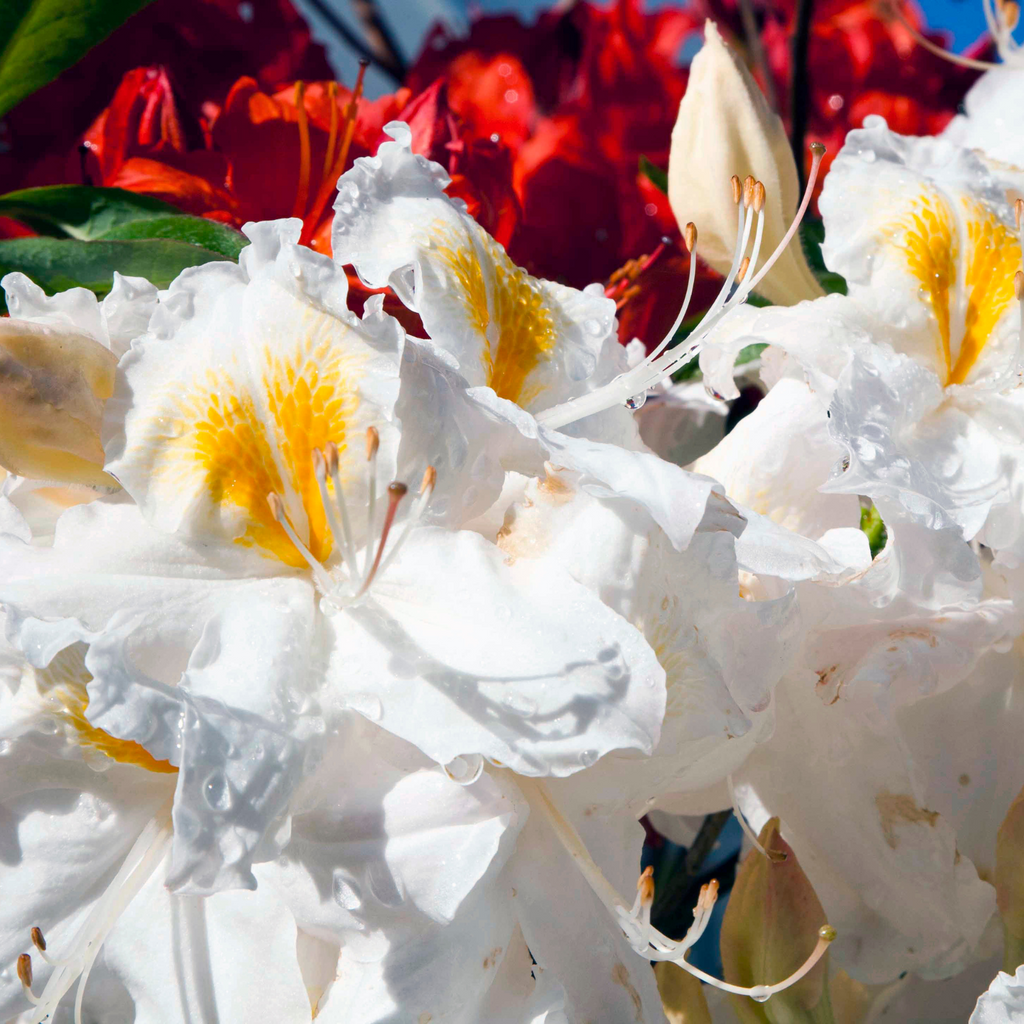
(351, 581)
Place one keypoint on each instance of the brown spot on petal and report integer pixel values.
(964, 780)
(492, 958)
(901, 809)
(620, 975)
(910, 633)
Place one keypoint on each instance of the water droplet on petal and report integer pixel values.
(345, 892)
(637, 401)
(217, 792)
(588, 757)
(465, 770)
(520, 704)
(592, 327)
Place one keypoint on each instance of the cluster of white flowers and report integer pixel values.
(339, 664)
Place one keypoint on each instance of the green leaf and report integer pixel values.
(41, 38)
(812, 234)
(657, 177)
(208, 234)
(56, 264)
(872, 526)
(81, 211)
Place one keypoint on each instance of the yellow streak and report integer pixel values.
(64, 682)
(929, 246)
(994, 259)
(524, 329)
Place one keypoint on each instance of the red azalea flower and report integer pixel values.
(205, 44)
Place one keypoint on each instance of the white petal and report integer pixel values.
(447, 651)
(1003, 1003)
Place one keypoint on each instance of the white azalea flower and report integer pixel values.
(354, 894)
(883, 811)
(218, 636)
(1003, 1003)
(918, 367)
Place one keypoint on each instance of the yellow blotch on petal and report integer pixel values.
(312, 400)
(508, 309)
(994, 259)
(247, 445)
(63, 683)
(930, 247)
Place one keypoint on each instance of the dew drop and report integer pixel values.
(520, 704)
(588, 757)
(593, 327)
(366, 704)
(637, 401)
(760, 995)
(217, 792)
(868, 156)
(465, 770)
(345, 892)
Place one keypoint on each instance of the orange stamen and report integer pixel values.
(302, 195)
(330, 182)
(396, 492)
(332, 95)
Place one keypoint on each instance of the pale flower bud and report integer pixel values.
(54, 382)
(1009, 883)
(770, 927)
(682, 995)
(725, 128)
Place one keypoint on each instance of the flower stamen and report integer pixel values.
(646, 940)
(631, 387)
(302, 195)
(372, 446)
(396, 492)
(143, 859)
(25, 977)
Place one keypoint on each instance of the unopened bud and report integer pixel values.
(772, 924)
(682, 995)
(54, 383)
(725, 128)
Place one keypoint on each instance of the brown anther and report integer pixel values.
(319, 465)
(690, 236)
(737, 189)
(1011, 14)
(758, 197)
(742, 272)
(429, 479)
(331, 457)
(1018, 284)
(372, 442)
(817, 149)
(748, 191)
(25, 970)
(396, 492)
(37, 939)
(1018, 211)
(645, 886)
(827, 932)
(276, 505)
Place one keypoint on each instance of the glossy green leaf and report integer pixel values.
(874, 529)
(60, 263)
(41, 38)
(81, 211)
(208, 234)
(657, 177)
(812, 234)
